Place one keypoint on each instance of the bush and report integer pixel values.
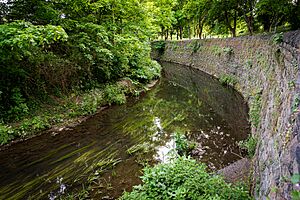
(6, 134)
(184, 178)
(160, 46)
(114, 94)
(183, 145)
(24, 53)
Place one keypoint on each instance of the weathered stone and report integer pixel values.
(237, 172)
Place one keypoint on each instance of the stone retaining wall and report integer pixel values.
(266, 72)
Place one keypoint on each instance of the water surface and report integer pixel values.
(185, 100)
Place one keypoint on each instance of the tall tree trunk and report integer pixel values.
(248, 9)
(231, 29)
(200, 31)
(181, 32)
(167, 34)
(234, 24)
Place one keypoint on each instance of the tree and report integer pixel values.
(294, 16)
(164, 16)
(224, 14)
(247, 7)
(197, 11)
(272, 13)
(3, 11)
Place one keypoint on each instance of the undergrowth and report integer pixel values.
(184, 178)
(70, 107)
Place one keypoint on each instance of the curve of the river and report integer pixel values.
(104, 149)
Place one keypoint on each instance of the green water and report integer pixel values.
(185, 99)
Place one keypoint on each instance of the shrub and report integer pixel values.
(6, 134)
(184, 178)
(183, 145)
(160, 46)
(114, 93)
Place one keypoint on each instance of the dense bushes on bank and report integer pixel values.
(76, 48)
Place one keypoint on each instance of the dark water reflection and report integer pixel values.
(185, 99)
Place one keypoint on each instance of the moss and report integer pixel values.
(255, 109)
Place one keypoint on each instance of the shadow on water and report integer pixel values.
(186, 99)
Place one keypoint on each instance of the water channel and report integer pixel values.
(103, 150)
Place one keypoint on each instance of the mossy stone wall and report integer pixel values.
(267, 74)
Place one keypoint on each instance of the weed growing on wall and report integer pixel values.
(295, 194)
(249, 145)
(277, 38)
(255, 109)
(226, 79)
(196, 46)
(296, 103)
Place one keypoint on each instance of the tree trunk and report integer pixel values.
(180, 31)
(248, 7)
(231, 29)
(167, 34)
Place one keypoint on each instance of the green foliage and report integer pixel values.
(183, 145)
(24, 50)
(295, 194)
(184, 178)
(277, 38)
(159, 46)
(6, 133)
(196, 46)
(228, 50)
(255, 109)
(83, 49)
(19, 107)
(226, 79)
(114, 94)
(148, 70)
(272, 13)
(296, 103)
(249, 145)
(89, 103)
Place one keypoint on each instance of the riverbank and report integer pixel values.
(61, 113)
